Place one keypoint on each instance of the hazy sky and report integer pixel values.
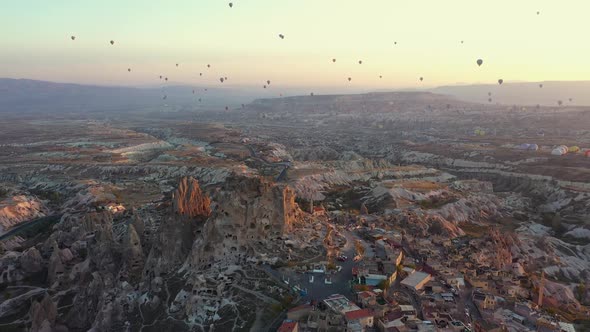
(242, 42)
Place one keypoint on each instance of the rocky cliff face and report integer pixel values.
(188, 200)
(190, 208)
(248, 211)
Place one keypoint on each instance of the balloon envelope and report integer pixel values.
(479, 62)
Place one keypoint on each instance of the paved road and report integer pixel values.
(318, 289)
(24, 225)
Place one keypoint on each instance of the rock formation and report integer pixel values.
(43, 314)
(188, 200)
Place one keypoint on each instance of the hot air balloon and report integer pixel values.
(394, 43)
(112, 42)
(73, 37)
(333, 60)
(461, 42)
(208, 66)
(350, 79)
(538, 13)
(160, 76)
(226, 78)
(166, 78)
(243, 106)
(360, 62)
(570, 100)
(268, 82)
(177, 65)
(540, 85)
(129, 69)
(264, 86)
(221, 79)
(500, 81)
(231, 5)
(311, 94)
(226, 108)
(164, 97)
(200, 74)
(490, 100)
(380, 76)
(205, 89)
(281, 36)
(199, 100)
(559, 102)
(489, 93)
(421, 79)
(479, 62)
(193, 92)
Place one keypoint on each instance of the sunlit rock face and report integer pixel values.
(188, 199)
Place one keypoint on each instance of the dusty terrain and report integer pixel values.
(173, 221)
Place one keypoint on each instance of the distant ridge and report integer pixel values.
(31, 96)
(522, 93)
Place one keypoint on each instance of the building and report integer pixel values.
(358, 320)
(289, 326)
(416, 280)
(367, 299)
(340, 304)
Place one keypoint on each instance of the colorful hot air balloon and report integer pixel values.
(226, 108)
(350, 79)
(177, 65)
(129, 69)
(73, 37)
(540, 85)
(333, 60)
(208, 66)
(264, 86)
(421, 79)
(380, 76)
(479, 62)
(268, 82)
(221, 79)
(112, 42)
(500, 81)
(200, 74)
(231, 5)
(360, 62)
(166, 78)
(160, 76)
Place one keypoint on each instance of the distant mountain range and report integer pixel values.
(22, 95)
(30, 96)
(521, 93)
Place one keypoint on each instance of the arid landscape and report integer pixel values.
(214, 220)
